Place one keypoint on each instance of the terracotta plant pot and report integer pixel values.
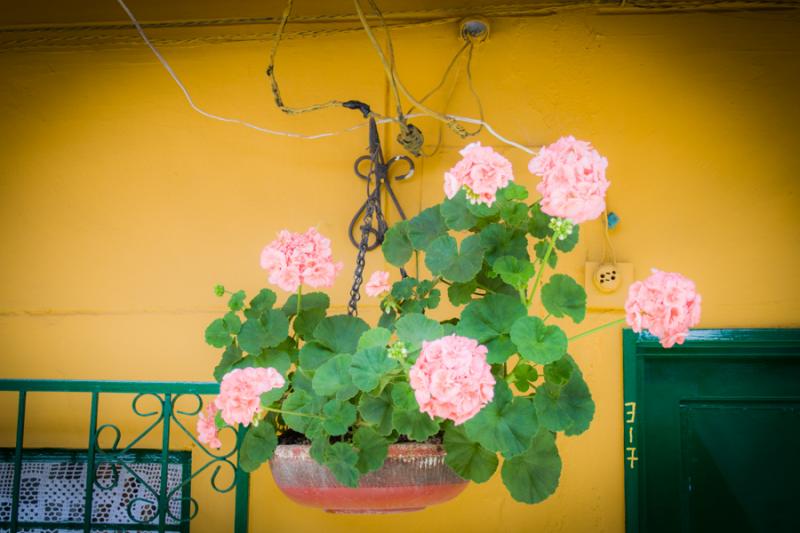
(413, 477)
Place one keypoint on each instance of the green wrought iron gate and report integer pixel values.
(168, 502)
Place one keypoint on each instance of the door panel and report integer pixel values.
(713, 432)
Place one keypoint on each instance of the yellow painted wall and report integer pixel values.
(120, 207)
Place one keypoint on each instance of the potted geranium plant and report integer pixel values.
(337, 397)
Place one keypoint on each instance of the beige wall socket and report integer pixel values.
(607, 285)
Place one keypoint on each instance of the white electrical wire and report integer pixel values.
(256, 127)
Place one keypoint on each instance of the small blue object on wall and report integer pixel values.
(613, 220)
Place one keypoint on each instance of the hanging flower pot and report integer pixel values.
(413, 477)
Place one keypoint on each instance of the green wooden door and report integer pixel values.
(712, 432)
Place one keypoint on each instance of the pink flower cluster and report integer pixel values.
(378, 284)
(295, 259)
(451, 378)
(240, 393)
(666, 304)
(573, 182)
(481, 172)
(207, 428)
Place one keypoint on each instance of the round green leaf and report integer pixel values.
(305, 403)
(414, 328)
(563, 296)
(569, 243)
(407, 419)
(515, 214)
(257, 446)
(424, 228)
(374, 337)
(261, 302)
(539, 224)
(372, 449)
(339, 416)
(569, 407)
(461, 293)
(340, 333)
(515, 272)
(489, 321)
(443, 258)
(236, 302)
(313, 354)
(378, 411)
(369, 366)
(506, 425)
(332, 378)
(468, 458)
(217, 334)
(456, 214)
(341, 459)
(533, 476)
(396, 245)
(540, 249)
(230, 357)
(537, 342)
(499, 240)
(441, 254)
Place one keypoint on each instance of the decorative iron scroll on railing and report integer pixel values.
(169, 505)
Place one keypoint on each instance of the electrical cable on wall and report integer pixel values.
(261, 129)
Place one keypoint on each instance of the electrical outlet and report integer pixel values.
(607, 285)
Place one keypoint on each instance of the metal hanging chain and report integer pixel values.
(377, 179)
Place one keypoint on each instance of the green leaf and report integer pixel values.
(319, 447)
(414, 328)
(396, 245)
(539, 224)
(268, 331)
(523, 375)
(306, 403)
(341, 458)
(258, 446)
(314, 306)
(444, 258)
(313, 354)
(461, 293)
(569, 407)
(484, 211)
(533, 476)
(514, 191)
(230, 357)
(468, 458)
(506, 425)
(540, 249)
(369, 366)
(236, 302)
(569, 243)
(261, 303)
(515, 272)
(340, 333)
(378, 411)
(372, 449)
(407, 419)
(489, 321)
(404, 289)
(374, 337)
(563, 296)
(339, 416)
(456, 213)
(558, 372)
(217, 334)
(426, 227)
(537, 342)
(332, 378)
(232, 322)
(499, 240)
(515, 214)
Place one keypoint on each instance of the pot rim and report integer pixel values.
(396, 450)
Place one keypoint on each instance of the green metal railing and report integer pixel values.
(167, 395)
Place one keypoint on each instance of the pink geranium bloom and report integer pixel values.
(574, 180)
(295, 259)
(451, 378)
(666, 304)
(481, 172)
(240, 393)
(207, 428)
(378, 283)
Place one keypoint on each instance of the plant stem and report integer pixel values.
(541, 269)
(598, 328)
(299, 299)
